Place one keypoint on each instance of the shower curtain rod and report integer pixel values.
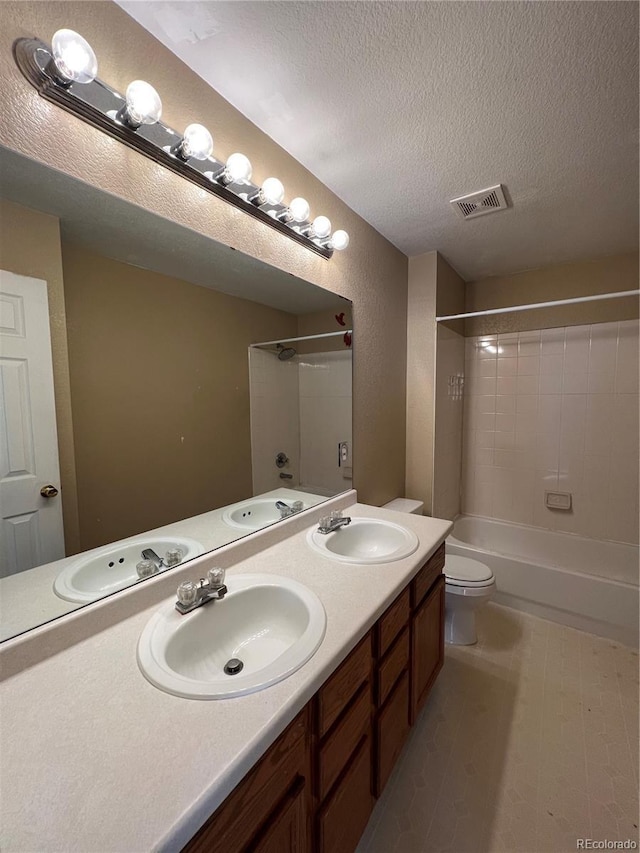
(533, 305)
(306, 338)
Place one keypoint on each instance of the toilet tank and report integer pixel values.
(405, 505)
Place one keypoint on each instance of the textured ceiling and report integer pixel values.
(400, 106)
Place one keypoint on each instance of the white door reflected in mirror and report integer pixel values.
(31, 531)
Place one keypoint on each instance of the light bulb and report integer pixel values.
(196, 143)
(320, 227)
(273, 191)
(339, 240)
(74, 57)
(238, 169)
(299, 209)
(143, 103)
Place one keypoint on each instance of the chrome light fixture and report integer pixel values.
(66, 75)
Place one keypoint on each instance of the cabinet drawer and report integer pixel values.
(343, 740)
(343, 684)
(392, 622)
(427, 576)
(342, 820)
(391, 667)
(393, 728)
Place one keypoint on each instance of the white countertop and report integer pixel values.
(94, 758)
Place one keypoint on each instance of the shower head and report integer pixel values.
(285, 353)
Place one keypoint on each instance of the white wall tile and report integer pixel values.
(603, 348)
(528, 384)
(527, 404)
(575, 383)
(507, 366)
(566, 417)
(507, 384)
(576, 349)
(626, 381)
(624, 425)
(505, 404)
(552, 342)
(505, 422)
(528, 365)
(550, 383)
(599, 417)
(551, 365)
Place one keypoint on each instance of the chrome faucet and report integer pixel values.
(286, 510)
(192, 595)
(330, 523)
(150, 554)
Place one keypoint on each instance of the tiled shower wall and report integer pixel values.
(450, 359)
(302, 408)
(555, 409)
(325, 418)
(275, 422)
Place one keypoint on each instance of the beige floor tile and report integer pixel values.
(529, 740)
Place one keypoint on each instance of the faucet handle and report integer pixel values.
(146, 568)
(173, 557)
(187, 593)
(336, 513)
(216, 577)
(324, 521)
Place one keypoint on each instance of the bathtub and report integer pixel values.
(584, 583)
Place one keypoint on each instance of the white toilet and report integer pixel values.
(469, 585)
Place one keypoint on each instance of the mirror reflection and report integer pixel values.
(162, 395)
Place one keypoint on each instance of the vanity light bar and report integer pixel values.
(66, 75)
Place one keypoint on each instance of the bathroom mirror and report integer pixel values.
(162, 394)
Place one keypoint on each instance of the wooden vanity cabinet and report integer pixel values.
(314, 789)
(391, 638)
(342, 745)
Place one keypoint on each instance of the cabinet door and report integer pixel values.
(344, 815)
(286, 831)
(392, 729)
(427, 645)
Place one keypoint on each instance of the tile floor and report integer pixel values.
(528, 741)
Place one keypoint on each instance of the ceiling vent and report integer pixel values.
(477, 204)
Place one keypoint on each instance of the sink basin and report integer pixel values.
(271, 623)
(365, 541)
(254, 514)
(105, 570)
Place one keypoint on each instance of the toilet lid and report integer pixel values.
(462, 571)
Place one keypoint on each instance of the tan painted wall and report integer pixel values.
(319, 323)
(421, 354)
(561, 281)
(450, 297)
(371, 272)
(159, 392)
(30, 245)
(434, 288)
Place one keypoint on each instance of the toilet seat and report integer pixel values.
(468, 573)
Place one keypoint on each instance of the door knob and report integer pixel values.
(48, 491)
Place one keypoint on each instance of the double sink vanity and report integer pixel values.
(318, 650)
